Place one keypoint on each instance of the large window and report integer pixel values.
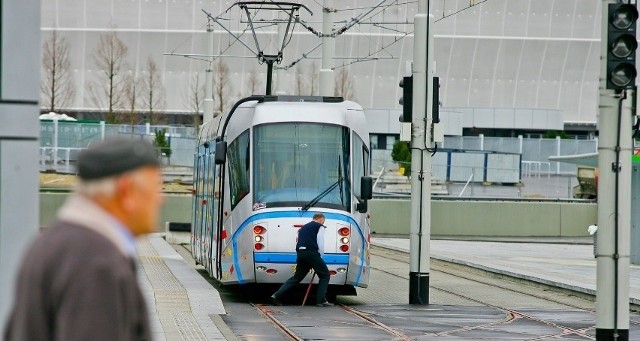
(238, 153)
(298, 164)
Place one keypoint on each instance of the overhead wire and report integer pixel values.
(461, 10)
(186, 39)
(361, 18)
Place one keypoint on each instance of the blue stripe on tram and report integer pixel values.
(290, 258)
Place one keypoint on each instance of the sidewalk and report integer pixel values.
(571, 266)
(182, 305)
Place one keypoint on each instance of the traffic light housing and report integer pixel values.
(621, 46)
(406, 83)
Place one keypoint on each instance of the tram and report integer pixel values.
(261, 172)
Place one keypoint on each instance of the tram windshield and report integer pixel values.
(294, 163)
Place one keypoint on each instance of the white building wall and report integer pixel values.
(512, 54)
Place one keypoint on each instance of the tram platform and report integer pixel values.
(182, 305)
(560, 262)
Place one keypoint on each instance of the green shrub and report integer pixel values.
(402, 155)
(161, 142)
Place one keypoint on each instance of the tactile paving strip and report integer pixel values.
(172, 302)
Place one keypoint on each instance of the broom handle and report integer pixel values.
(308, 288)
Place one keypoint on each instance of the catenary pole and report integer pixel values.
(420, 228)
(328, 50)
(208, 96)
(614, 204)
(280, 72)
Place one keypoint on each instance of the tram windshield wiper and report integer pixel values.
(315, 200)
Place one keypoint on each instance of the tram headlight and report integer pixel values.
(344, 240)
(258, 238)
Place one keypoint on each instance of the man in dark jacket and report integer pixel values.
(309, 250)
(78, 278)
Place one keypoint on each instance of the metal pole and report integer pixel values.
(327, 85)
(614, 208)
(279, 85)
(558, 152)
(208, 96)
(420, 229)
(56, 135)
(269, 76)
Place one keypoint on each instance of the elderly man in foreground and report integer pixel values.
(78, 279)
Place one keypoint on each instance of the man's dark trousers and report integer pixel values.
(306, 260)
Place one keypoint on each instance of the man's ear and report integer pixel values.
(124, 186)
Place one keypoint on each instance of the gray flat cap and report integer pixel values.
(114, 157)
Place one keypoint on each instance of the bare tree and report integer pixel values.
(344, 85)
(314, 77)
(153, 98)
(195, 100)
(57, 84)
(222, 87)
(254, 83)
(131, 91)
(106, 91)
(300, 81)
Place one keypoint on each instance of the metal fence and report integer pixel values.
(535, 152)
(60, 142)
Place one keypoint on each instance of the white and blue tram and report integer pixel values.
(261, 172)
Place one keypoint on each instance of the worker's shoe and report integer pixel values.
(275, 300)
(325, 304)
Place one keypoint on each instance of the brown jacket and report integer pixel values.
(77, 283)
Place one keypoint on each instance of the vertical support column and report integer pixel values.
(208, 92)
(420, 229)
(19, 132)
(558, 148)
(520, 144)
(56, 135)
(614, 205)
(327, 82)
(102, 129)
(279, 85)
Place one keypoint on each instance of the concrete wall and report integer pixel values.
(176, 208)
(488, 218)
(450, 217)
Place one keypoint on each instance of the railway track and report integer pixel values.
(564, 316)
(366, 321)
(465, 303)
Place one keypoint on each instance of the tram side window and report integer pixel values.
(238, 153)
(360, 163)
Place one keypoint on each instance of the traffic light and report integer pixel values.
(621, 46)
(406, 83)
